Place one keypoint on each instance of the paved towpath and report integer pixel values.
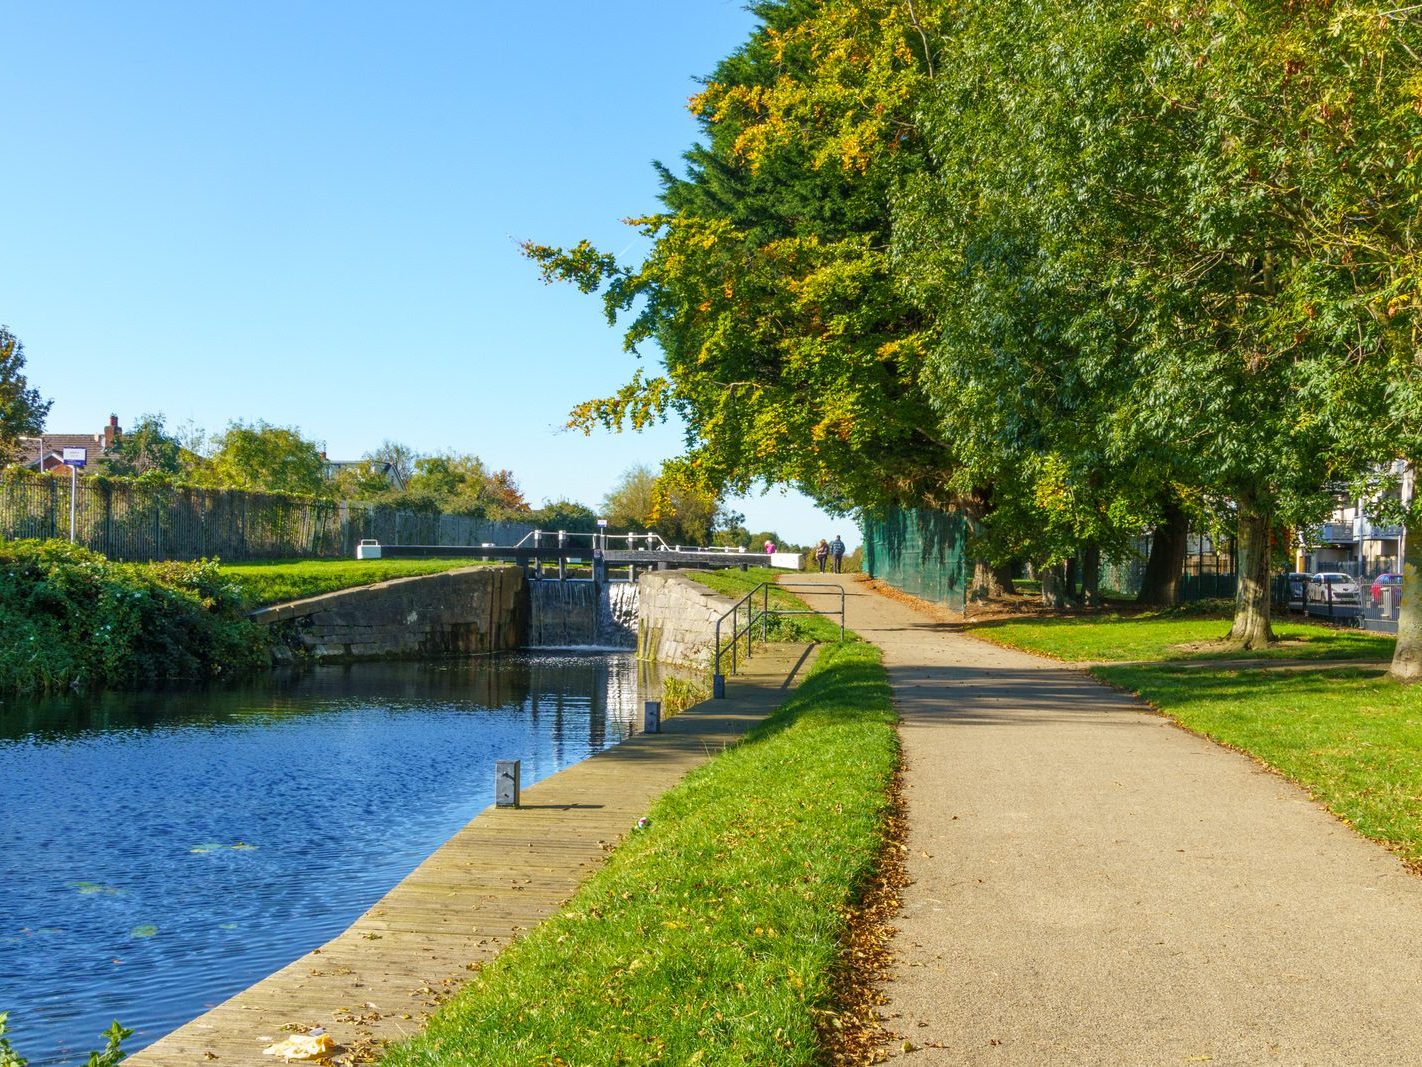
(1092, 885)
(503, 873)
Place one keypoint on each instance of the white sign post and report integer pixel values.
(75, 458)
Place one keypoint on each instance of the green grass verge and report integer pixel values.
(1159, 637)
(711, 937)
(277, 582)
(735, 584)
(1352, 737)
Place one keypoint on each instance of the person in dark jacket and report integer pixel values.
(837, 551)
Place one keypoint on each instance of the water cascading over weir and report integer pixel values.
(582, 614)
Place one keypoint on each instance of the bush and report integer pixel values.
(73, 619)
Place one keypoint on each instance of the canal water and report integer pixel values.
(161, 852)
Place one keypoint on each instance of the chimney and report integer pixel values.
(111, 432)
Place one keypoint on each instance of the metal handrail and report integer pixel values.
(598, 539)
(718, 680)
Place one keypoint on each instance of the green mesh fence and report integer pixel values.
(920, 552)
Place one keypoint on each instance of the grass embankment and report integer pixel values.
(283, 580)
(714, 935)
(1175, 636)
(72, 619)
(735, 584)
(1350, 736)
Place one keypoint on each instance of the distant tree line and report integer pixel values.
(261, 457)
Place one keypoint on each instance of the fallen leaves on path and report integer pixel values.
(854, 1033)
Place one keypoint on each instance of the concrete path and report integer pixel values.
(1092, 885)
(502, 874)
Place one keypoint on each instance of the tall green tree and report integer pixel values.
(1094, 238)
(644, 500)
(263, 457)
(147, 446)
(22, 411)
(789, 351)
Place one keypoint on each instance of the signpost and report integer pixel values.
(75, 458)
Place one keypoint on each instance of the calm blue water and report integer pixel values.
(159, 853)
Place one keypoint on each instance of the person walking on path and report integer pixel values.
(1089, 883)
(822, 553)
(837, 550)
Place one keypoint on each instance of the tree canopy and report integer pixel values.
(22, 411)
(1076, 270)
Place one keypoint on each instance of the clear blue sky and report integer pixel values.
(309, 213)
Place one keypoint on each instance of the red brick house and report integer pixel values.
(46, 451)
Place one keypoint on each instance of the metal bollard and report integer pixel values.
(506, 783)
(652, 717)
(1387, 602)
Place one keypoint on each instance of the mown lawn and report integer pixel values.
(1167, 636)
(1350, 736)
(711, 937)
(283, 580)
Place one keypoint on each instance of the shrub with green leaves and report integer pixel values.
(73, 619)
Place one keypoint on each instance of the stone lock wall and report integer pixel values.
(456, 613)
(676, 619)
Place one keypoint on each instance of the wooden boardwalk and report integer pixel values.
(503, 873)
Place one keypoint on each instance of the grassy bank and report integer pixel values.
(1175, 635)
(712, 936)
(735, 584)
(1350, 736)
(276, 582)
(71, 619)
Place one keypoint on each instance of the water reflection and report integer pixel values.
(159, 852)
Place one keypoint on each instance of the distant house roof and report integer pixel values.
(42, 451)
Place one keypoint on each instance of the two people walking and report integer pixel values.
(825, 549)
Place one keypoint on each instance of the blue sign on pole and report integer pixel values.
(76, 457)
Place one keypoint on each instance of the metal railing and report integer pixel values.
(762, 616)
(598, 539)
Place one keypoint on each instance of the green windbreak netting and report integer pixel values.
(920, 552)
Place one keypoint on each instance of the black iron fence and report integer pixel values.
(129, 521)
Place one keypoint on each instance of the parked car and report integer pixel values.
(1383, 581)
(1298, 586)
(1334, 587)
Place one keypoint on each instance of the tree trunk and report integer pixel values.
(1002, 575)
(1091, 575)
(1053, 577)
(989, 581)
(1160, 588)
(1251, 603)
(1069, 577)
(1407, 658)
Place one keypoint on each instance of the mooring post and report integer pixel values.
(537, 556)
(506, 783)
(718, 686)
(652, 717)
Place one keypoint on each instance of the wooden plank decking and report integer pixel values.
(503, 873)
